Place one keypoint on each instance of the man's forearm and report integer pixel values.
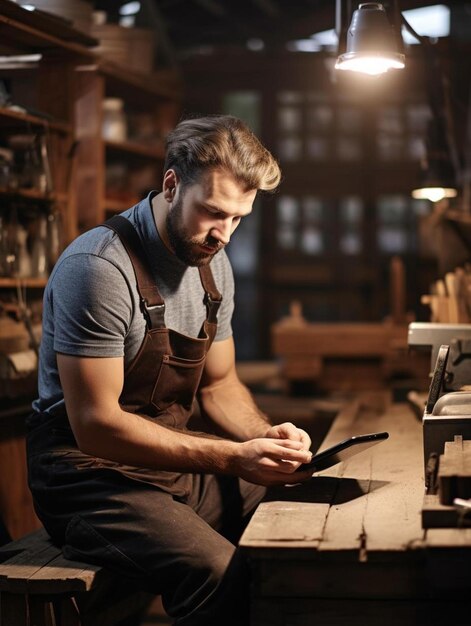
(140, 441)
(229, 404)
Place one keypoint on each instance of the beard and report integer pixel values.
(186, 247)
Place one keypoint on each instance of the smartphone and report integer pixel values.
(342, 451)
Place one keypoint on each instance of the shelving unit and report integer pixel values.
(72, 82)
(8, 117)
(61, 96)
(138, 161)
(30, 283)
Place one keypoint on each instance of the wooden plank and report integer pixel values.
(68, 576)
(436, 515)
(29, 39)
(371, 511)
(448, 537)
(34, 561)
(339, 339)
(14, 573)
(373, 548)
(283, 524)
(45, 22)
(393, 514)
(286, 524)
(9, 116)
(454, 471)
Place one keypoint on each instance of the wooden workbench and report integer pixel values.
(348, 547)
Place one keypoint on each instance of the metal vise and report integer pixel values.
(457, 337)
(448, 408)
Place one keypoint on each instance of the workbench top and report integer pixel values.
(354, 531)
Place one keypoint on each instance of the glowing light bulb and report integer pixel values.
(434, 194)
(372, 65)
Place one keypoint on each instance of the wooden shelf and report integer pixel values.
(32, 194)
(136, 149)
(161, 85)
(19, 33)
(9, 117)
(37, 283)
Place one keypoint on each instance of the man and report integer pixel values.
(134, 327)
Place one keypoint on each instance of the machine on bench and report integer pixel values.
(447, 414)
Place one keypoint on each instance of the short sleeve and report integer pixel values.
(92, 307)
(225, 282)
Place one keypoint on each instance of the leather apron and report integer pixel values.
(161, 381)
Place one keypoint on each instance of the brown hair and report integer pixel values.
(220, 141)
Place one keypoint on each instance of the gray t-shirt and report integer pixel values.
(91, 304)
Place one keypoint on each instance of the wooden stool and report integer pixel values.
(39, 587)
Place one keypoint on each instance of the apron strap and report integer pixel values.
(152, 303)
(212, 297)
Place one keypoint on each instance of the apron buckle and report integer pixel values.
(212, 307)
(155, 315)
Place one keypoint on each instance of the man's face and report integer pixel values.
(203, 216)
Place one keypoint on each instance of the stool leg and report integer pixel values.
(13, 610)
(67, 613)
(41, 612)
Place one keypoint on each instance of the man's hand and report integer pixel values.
(287, 430)
(272, 461)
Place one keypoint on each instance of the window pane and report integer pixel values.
(287, 209)
(389, 148)
(393, 209)
(417, 116)
(349, 120)
(319, 118)
(289, 118)
(350, 243)
(286, 236)
(389, 121)
(290, 149)
(316, 96)
(312, 240)
(317, 148)
(349, 149)
(351, 209)
(416, 148)
(392, 239)
(246, 105)
(351, 216)
(290, 97)
(313, 209)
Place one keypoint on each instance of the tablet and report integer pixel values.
(342, 451)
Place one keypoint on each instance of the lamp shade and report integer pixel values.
(372, 46)
(437, 177)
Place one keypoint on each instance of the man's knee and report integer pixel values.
(226, 595)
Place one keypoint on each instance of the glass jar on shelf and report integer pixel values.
(6, 169)
(114, 120)
(39, 256)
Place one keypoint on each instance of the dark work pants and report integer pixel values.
(182, 548)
